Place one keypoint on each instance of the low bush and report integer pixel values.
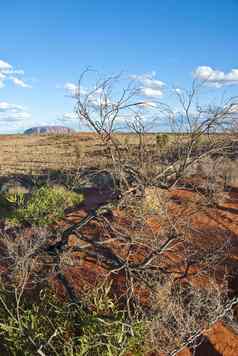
(45, 206)
(51, 327)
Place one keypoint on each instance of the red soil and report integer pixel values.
(211, 226)
(219, 340)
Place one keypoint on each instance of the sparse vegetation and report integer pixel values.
(144, 262)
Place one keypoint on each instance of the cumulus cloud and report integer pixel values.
(71, 88)
(4, 66)
(149, 86)
(95, 99)
(234, 108)
(74, 89)
(4, 106)
(20, 82)
(150, 92)
(2, 79)
(13, 113)
(8, 73)
(216, 77)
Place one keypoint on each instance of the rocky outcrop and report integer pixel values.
(48, 130)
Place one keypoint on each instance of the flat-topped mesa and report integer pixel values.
(48, 130)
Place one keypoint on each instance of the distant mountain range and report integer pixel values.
(48, 130)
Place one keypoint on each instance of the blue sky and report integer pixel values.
(53, 41)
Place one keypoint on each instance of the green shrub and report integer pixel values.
(45, 206)
(58, 328)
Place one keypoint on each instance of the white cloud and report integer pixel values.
(71, 88)
(13, 113)
(4, 66)
(6, 106)
(13, 117)
(234, 108)
(216, 77)
(178, 90)
(7, 72)
(150, 92)
(74, 89)
(95, 99)
(148, 104)
(232, 111)
(2, 78)
(19, 71)
(19, 82)
(150, 86)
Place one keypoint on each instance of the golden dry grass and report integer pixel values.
(33, 154)
(22, 154)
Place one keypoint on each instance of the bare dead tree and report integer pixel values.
(199, 130)
(106, 109)
(108, 104)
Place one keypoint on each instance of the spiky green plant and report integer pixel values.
(45, 206)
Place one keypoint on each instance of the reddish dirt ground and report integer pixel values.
(210, 224)
(219, 340)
